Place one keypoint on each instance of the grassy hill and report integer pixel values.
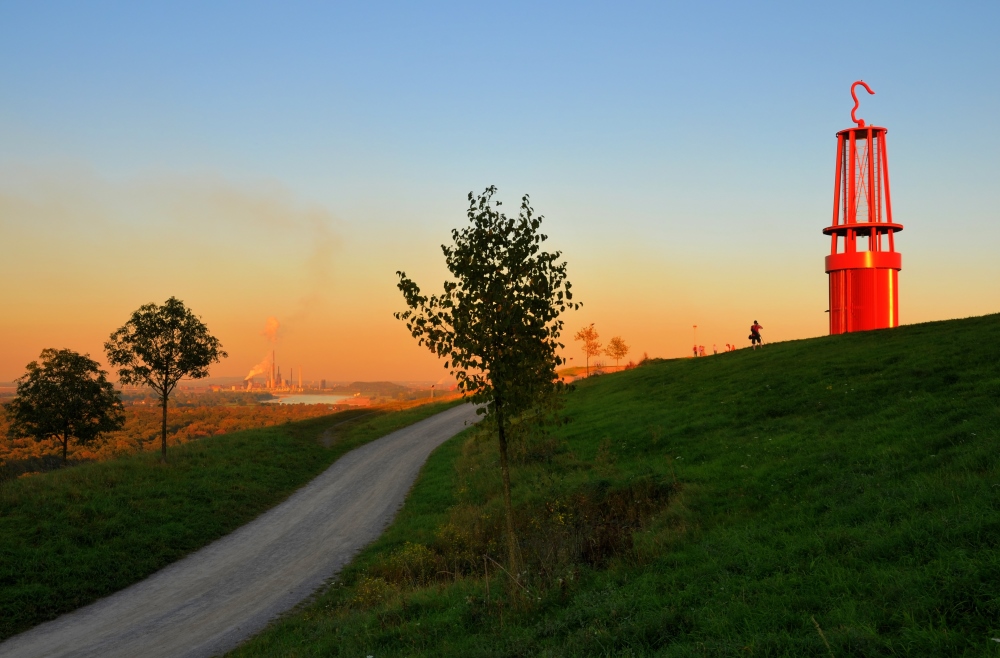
(74, 535)
(377, 389)
(830, 497)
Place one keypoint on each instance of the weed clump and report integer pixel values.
(580, 524)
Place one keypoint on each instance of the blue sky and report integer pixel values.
(683, 152)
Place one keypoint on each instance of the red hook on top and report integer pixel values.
(860, 122)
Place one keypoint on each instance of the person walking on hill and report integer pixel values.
(755, 335)
(695, 350)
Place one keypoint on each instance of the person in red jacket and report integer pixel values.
(755, 335)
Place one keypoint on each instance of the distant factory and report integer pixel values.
(273, 380)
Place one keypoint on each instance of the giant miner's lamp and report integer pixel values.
(863, 263)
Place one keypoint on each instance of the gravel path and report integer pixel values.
(219, 596)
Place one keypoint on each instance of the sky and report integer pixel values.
(279, 162)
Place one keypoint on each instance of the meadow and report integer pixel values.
(190, 416)
(71, 536)
(21, 457)
(837, 496)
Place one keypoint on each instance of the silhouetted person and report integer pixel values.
(695, 350)
(755, 335)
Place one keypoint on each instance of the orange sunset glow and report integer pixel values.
(289, 184)
(268, 271)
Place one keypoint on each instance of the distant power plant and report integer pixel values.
(273, 379)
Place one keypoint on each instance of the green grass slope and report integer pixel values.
(72, 536)
(829, 497)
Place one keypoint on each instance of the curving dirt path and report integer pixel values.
(215, 598)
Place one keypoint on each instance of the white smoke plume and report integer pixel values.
(262, 368)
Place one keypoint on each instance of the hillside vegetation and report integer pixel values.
(74, 535)
(830, 497)
(185, 422)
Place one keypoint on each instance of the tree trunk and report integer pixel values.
(163, 434)
(513, 561)
(65, 442)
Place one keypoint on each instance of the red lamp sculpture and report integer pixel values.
(863, 263)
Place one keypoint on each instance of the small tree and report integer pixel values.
(617, 349)
(591, 346)
(159, 346)
(66, 396)
(497, 322)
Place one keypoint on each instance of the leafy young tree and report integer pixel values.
(497, 323)
(159, 346)
(591, 346)
(66, 396)
(617, 349)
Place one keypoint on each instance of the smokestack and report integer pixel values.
(272, 370)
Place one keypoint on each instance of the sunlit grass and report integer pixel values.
(72, 536)
(840, 491)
